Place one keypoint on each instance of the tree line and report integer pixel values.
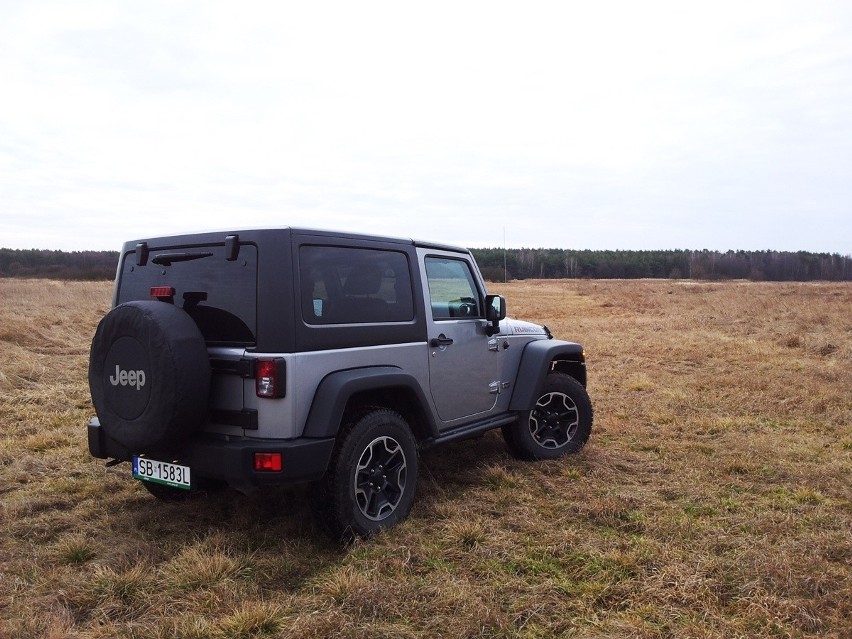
(778, 266)
(495, 264)
(62, 265)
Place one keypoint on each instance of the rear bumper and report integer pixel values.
(231, 460)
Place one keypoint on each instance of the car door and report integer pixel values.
(464, 363)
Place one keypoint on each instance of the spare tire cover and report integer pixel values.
(149, 375)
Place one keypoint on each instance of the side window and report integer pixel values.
(354, 286)
(452, 289)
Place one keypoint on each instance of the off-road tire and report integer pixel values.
(372, 478)
(560, 423)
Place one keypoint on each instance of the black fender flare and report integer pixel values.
(336, 389)
(536, 364)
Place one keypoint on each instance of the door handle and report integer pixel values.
(441, 340)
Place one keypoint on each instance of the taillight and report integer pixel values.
(163, 293)
(268, 462)
(269, 378)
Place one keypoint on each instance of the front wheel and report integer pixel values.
(560, 423)
(371, 481)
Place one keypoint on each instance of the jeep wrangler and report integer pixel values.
(256, 357)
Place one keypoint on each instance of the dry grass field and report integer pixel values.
(714, 498)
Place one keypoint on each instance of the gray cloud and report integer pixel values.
(606, 126)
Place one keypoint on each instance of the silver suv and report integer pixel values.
(259, 357)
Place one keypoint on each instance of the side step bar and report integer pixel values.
(469, 431)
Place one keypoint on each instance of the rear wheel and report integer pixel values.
(560, 423)
(371, 481)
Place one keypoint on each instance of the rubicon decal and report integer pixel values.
(127, 378)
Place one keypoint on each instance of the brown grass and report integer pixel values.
(713, 500)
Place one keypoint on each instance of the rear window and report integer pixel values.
(220, 295)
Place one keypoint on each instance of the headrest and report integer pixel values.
(363, 280)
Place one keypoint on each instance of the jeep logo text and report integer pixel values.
(127, 378)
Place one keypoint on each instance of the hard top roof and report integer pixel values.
(214, 235)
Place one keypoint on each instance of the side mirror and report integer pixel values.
(495, 310)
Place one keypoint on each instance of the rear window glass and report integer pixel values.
(220, 295)
(354, 286)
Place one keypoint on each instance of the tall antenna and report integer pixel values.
(505, 270)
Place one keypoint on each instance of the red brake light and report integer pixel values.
(163, 293)
(269, 377)
(268, 462)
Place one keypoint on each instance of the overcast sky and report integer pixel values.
(602, 125)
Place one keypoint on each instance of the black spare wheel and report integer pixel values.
(149, 375)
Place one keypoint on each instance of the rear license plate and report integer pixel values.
(161, 472)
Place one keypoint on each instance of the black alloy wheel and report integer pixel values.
(380, 478)
(554, 420)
